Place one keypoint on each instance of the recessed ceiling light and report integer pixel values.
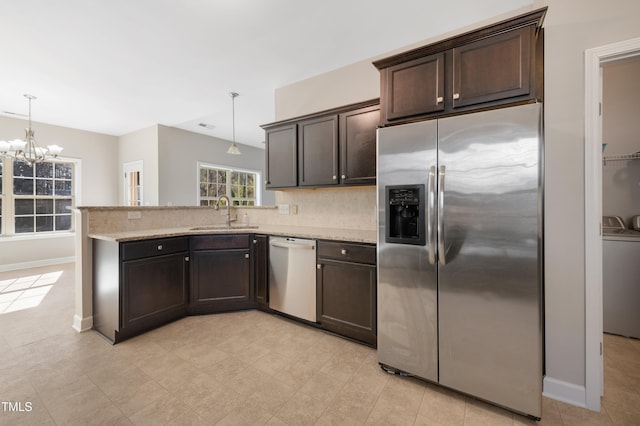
(207, 126)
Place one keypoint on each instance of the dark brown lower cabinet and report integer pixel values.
(138, 285)
(346, 286)
(220, 274)
(260, 271)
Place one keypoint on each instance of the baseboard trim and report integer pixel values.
(37, 263)
(82, 324)
(564, 392)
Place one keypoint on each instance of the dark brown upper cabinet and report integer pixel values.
(328, 148)
(318, 151)
(281, 154)
(492, 66)
(358, 145)
(415, 87)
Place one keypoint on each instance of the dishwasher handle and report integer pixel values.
(301, 246)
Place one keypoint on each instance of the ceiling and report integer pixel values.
(117, 66)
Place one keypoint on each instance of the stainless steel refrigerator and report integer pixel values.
(460, 277)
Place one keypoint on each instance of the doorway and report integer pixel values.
(594, 60)
(133, 183)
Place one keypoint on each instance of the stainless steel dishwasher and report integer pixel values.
(292, 277)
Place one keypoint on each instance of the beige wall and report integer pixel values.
(621, 133)
(98, 155)
(571, 26)
(179, 153)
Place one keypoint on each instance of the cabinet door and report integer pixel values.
(415, 87)
(318, 151)
(154, 290)
(260, 270)
(281, 157)
(220, 280)
(358, 146)
(493, 68)
(347, 299)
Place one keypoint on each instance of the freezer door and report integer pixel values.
(407, 298)
(490, 285)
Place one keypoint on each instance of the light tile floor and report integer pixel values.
(240, 368)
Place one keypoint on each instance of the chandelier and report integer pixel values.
(233, 149)
(28, 150)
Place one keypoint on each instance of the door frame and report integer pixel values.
(128, 167)
(594, 58)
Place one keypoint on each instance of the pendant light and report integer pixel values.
(28, 150)
(233, 149)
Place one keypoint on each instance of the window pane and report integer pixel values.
(250, 192)
(23, 186)
(222, 190)
(203, 175)
(63, 223)
(222, 176)
(24, 206)
(44, 206)
(61, 206)
(44, 187)
(212, 175)
(44, 223)
(204, 202)
(63, 187)
(24, 224)
(21, 168)
(212, 190)
(44, 170)
(250, 179)
(63, 170)
(203, 189)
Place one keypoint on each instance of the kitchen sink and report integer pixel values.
(220, 227)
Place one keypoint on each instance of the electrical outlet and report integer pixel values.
(283, 208)
(294, 209)
(134, 215)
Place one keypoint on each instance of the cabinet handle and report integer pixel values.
(319, 266)
(246, 256)
(159, 247)
(266, 182)
(456, 96)
(186, 258)
(255, 241)
(335, 177)
(343, 176)
(344, 251)
(439, 99)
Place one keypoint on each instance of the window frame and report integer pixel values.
(7, 228)
(230, 169)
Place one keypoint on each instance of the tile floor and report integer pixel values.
(241, 368)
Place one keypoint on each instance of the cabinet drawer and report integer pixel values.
(349, 252)
(157, 247)
(212, 242)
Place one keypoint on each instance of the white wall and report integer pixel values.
(140, 145)
(179, 153)
(621, 132)
(571, 26)
(98, 186)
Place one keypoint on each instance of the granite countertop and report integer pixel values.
(338, 234)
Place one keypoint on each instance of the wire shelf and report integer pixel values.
(621, 157)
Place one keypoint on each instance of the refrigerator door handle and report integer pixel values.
(431, 204)
(441, 237)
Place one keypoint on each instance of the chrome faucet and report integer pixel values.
(229, 220)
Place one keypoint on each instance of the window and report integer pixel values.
(241, 186)
(36, 197)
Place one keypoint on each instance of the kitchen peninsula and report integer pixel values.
(152, 246)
